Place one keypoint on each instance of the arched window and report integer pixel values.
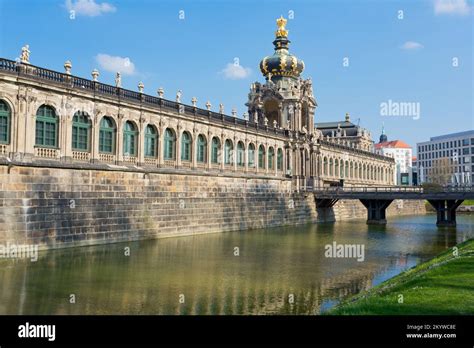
(81, 127)
(280, 159)
(151, 141)
(228, 152)
(251, 158)
(201, 149)
(107, 135)
(346, 169)
(341, 169)
(215, 150)
(330, 167)
(130, 136)
(336, 167)
(186, 147)
(170, 144)
(5, 121)
(325, 166)
(240, 154)
(261, 157)
(271, 158)
(46, 127)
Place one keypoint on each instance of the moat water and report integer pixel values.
(273, 271)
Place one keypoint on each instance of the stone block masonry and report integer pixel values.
(56, 207)
(60, 207)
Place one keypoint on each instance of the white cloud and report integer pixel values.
(411, 45)
(453, 7)
(235, 72)
(89, 7)
(115, 64)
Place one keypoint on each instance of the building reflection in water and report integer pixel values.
(273, 265)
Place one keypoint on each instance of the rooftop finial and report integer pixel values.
(348, 117)
(281, 22)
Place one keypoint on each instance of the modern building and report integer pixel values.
(447, 159)
(414, 171)
(401, 152)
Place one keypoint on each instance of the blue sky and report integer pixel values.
(403, 60)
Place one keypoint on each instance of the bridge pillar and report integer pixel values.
(376, 210)
(445, 211)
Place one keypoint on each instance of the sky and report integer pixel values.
(364, 56)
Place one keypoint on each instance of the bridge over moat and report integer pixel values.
(376, 199)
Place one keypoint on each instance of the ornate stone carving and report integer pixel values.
(68, 67)
(95, 75)
(161, 92)
(25, 54)
(118, 80)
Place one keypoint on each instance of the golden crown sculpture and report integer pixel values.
(281, 22)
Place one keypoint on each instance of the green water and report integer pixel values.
(277, 271)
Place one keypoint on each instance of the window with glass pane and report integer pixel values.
(46, 126)
(107, 135)
(215, 150)
(150, 141)
(170, 141)
(4, 122)
(251, 156)
(240, 154)
(280, 159)
(81, 126)
(271, 154)
(201, 149)
(185, 147)
(228, 152)
(130, 135)
(261, 157)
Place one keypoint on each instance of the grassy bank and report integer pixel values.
(443, 285)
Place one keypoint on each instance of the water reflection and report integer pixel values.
(273, 266)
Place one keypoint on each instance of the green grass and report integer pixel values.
(443, 285)
(468, 202)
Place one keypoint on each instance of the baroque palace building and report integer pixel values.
(51, 116)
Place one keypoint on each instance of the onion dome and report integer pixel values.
(281, 63)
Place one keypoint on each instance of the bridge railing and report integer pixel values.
(391, 189)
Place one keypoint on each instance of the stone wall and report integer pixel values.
(354, 209)
(56, 207)
(60, 207)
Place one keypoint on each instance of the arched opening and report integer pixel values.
(107, 135)
(228, 152)
(261, 157)
(201, 149)
(170, 144)
(47, 125)
(151, 141)
(251, 159)
(186, 147)
(272, 112)
(280, 159)
(81, 129)
(215, 149)
(305, 115)
(240, 154)
(5, 122)
(130, 137)
(271, 158)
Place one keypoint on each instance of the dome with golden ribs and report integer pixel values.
(281, 63)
